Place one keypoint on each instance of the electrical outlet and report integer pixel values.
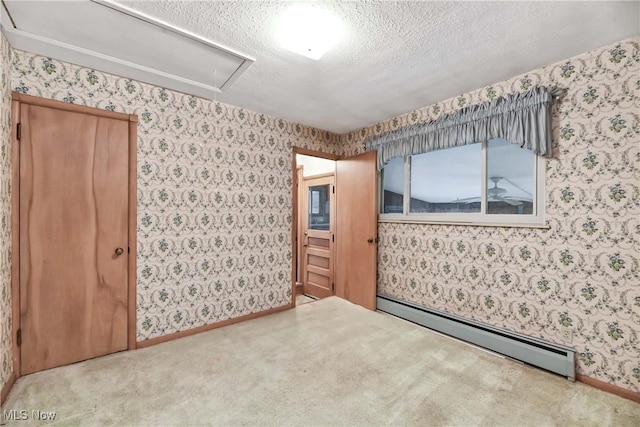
(567, 334)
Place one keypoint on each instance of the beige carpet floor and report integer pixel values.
(327, 363)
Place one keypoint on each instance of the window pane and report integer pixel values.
(319, 207)
(447, 180)
(393, 186)
(510, 178)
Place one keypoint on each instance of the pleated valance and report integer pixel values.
(521, 118)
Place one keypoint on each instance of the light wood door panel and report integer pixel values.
(318, 218)
(357, 229)
(73, 215)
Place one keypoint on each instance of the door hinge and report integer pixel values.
(333, 287)
(333, 237)
(19, 337)
(333, 189)
(128, 250)
(19, 131)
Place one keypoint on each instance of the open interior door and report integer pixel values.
(357, 229)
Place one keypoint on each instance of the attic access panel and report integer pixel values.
(103, 35)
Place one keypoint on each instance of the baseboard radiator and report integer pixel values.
(546, 355)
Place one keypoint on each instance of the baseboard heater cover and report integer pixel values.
(552, 357)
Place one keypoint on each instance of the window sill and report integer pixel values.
(464, 223)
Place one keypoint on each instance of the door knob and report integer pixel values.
(370, 240)
(119, 251)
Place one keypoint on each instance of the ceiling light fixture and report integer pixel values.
(309, 30)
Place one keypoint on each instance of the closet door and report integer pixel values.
(73, 236)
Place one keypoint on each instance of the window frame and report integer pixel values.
(535, 220)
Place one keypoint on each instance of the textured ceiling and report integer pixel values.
(395, 56)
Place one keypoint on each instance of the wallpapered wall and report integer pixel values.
(6, 363)
(214, 209)
(214, 195)
(584, 271)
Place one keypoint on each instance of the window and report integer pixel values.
(447, 181)
(393, 186)
(319, 213)
(492, 182)
(510, 178)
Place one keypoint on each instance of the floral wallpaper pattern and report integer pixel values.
(214, 203)
(214, 195)
(6, 357)
(584, 271)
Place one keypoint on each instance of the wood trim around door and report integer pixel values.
(294, 210)
(65, 106)
(17, 99)
(132, 302)
(313, 153)
(15, 238)
(298, 220)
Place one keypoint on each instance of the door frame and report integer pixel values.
(16, 100)
(294, 209)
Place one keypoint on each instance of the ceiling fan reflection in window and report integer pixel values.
(500, 194)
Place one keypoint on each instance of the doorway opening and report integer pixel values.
(316, 222)
(334, 227)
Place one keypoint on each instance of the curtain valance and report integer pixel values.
(521, 118)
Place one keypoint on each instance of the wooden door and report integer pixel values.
(74, 214)
(356, 229)
(318, 216)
